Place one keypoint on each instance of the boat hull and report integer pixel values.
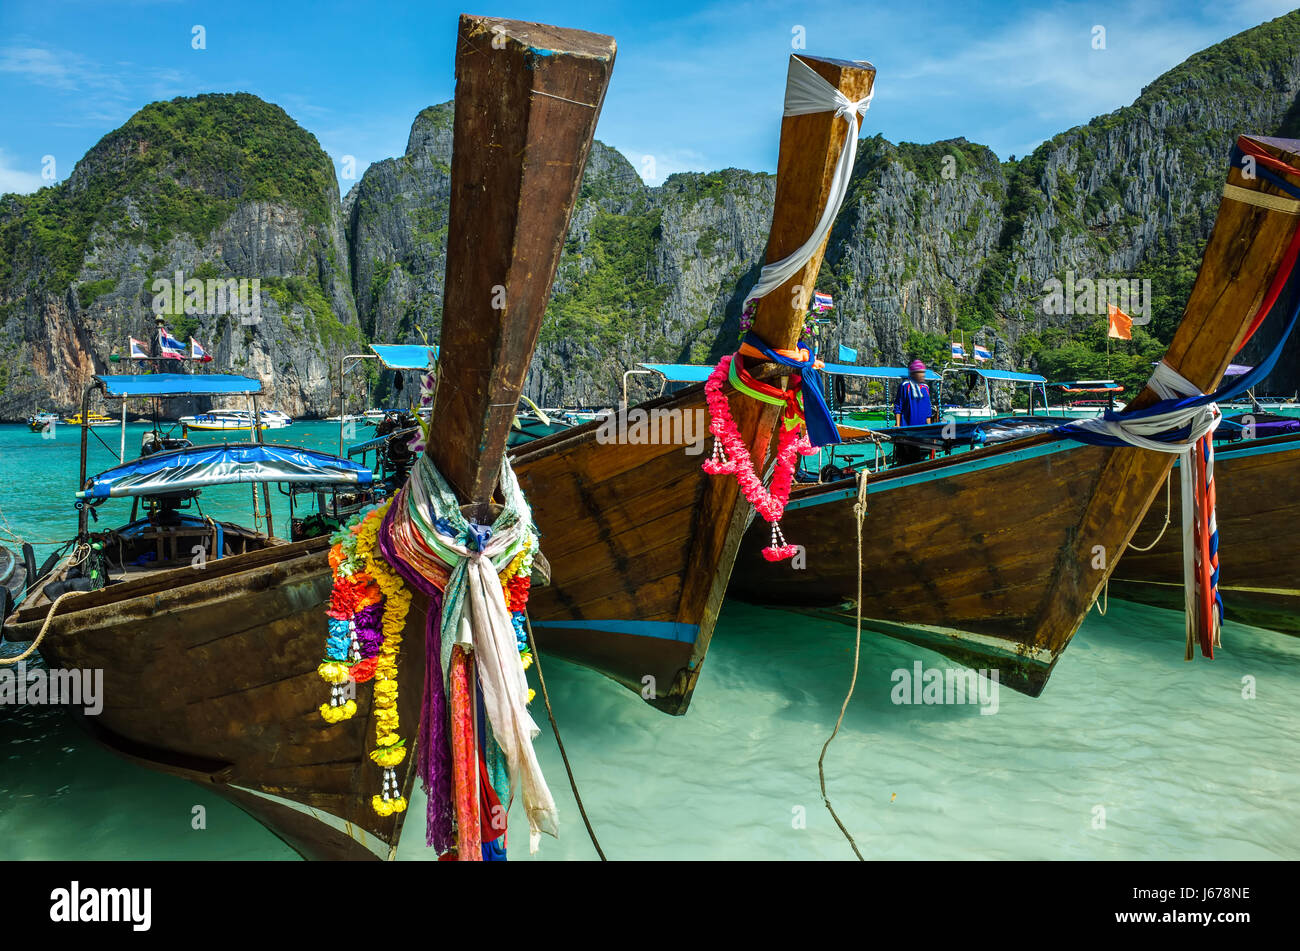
(984, 557)
(1257, 508)
(210, 674)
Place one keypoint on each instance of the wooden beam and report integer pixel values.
(527, 100)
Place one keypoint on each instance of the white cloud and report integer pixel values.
(17, 180)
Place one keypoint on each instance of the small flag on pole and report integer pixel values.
(168, 345)
(822, 302)
(848, 354)
(1121, 324)
(198, 353)
(958, 351)
(982, 353)
(138, 349)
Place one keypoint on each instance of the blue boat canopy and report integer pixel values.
(178, 384)
(1004, 375)
(883, 373)
(404, 356)
(227, 464)
(680, 372)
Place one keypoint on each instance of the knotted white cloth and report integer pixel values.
(807, 93)
(1170, 384)
(476, 617)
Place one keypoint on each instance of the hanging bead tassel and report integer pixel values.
(718, 463)
(780, 549)
(389, 801)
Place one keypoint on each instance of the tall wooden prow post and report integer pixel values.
(531, 130)
(810, 149)
(527, 100)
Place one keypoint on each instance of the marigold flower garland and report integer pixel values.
(731, 456)
(368, 608)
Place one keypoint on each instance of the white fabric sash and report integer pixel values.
(807, 93)
(476, 617)
(1170, 384)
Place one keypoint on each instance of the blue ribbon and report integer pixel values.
(817, 418)
(476, 535)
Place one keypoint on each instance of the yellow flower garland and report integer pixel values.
(390, 750)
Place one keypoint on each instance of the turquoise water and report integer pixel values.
(1176, 759)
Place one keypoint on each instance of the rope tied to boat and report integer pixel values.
(859, 515)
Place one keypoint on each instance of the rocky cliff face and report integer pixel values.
(934, 241)
(217, 188)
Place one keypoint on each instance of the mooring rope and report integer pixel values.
(859, 512)
(31, 648)
(1168, 511)
(546, 698)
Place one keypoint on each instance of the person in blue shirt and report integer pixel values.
(912, 407)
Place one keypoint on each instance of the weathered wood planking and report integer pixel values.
(1258, 509)
(212, 675)
(522, 89)
(994, 566)
(639, 539)
(215, 680)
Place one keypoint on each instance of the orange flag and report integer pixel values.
(1121, 324)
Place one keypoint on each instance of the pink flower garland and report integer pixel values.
(731, 456)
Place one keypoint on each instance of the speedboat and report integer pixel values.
(276, 419)
(39, 422)
(92, 419)
(222, 420)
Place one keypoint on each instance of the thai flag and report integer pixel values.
(138, 349)
(822, 302)
(197, 352)
(982, 353)
(958, 351)
(168, 345)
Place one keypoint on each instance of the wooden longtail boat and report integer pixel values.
(639, 540)
(211, 675)
(993, 557)
(1258, 511)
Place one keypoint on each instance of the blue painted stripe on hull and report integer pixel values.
(664, 630)
(886, 483)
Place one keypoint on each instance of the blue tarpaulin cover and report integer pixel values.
(680, 372)
(883, 373)
(404, 356)
(226, 464)
(1006, 375)
(178, 384)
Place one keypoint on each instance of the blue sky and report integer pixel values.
(697, 86)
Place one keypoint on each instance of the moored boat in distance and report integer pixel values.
(92, 419)
(275, 419)
(993, 557)
(222, 420)
(40, 422)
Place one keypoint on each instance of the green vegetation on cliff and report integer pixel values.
(180, 167)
